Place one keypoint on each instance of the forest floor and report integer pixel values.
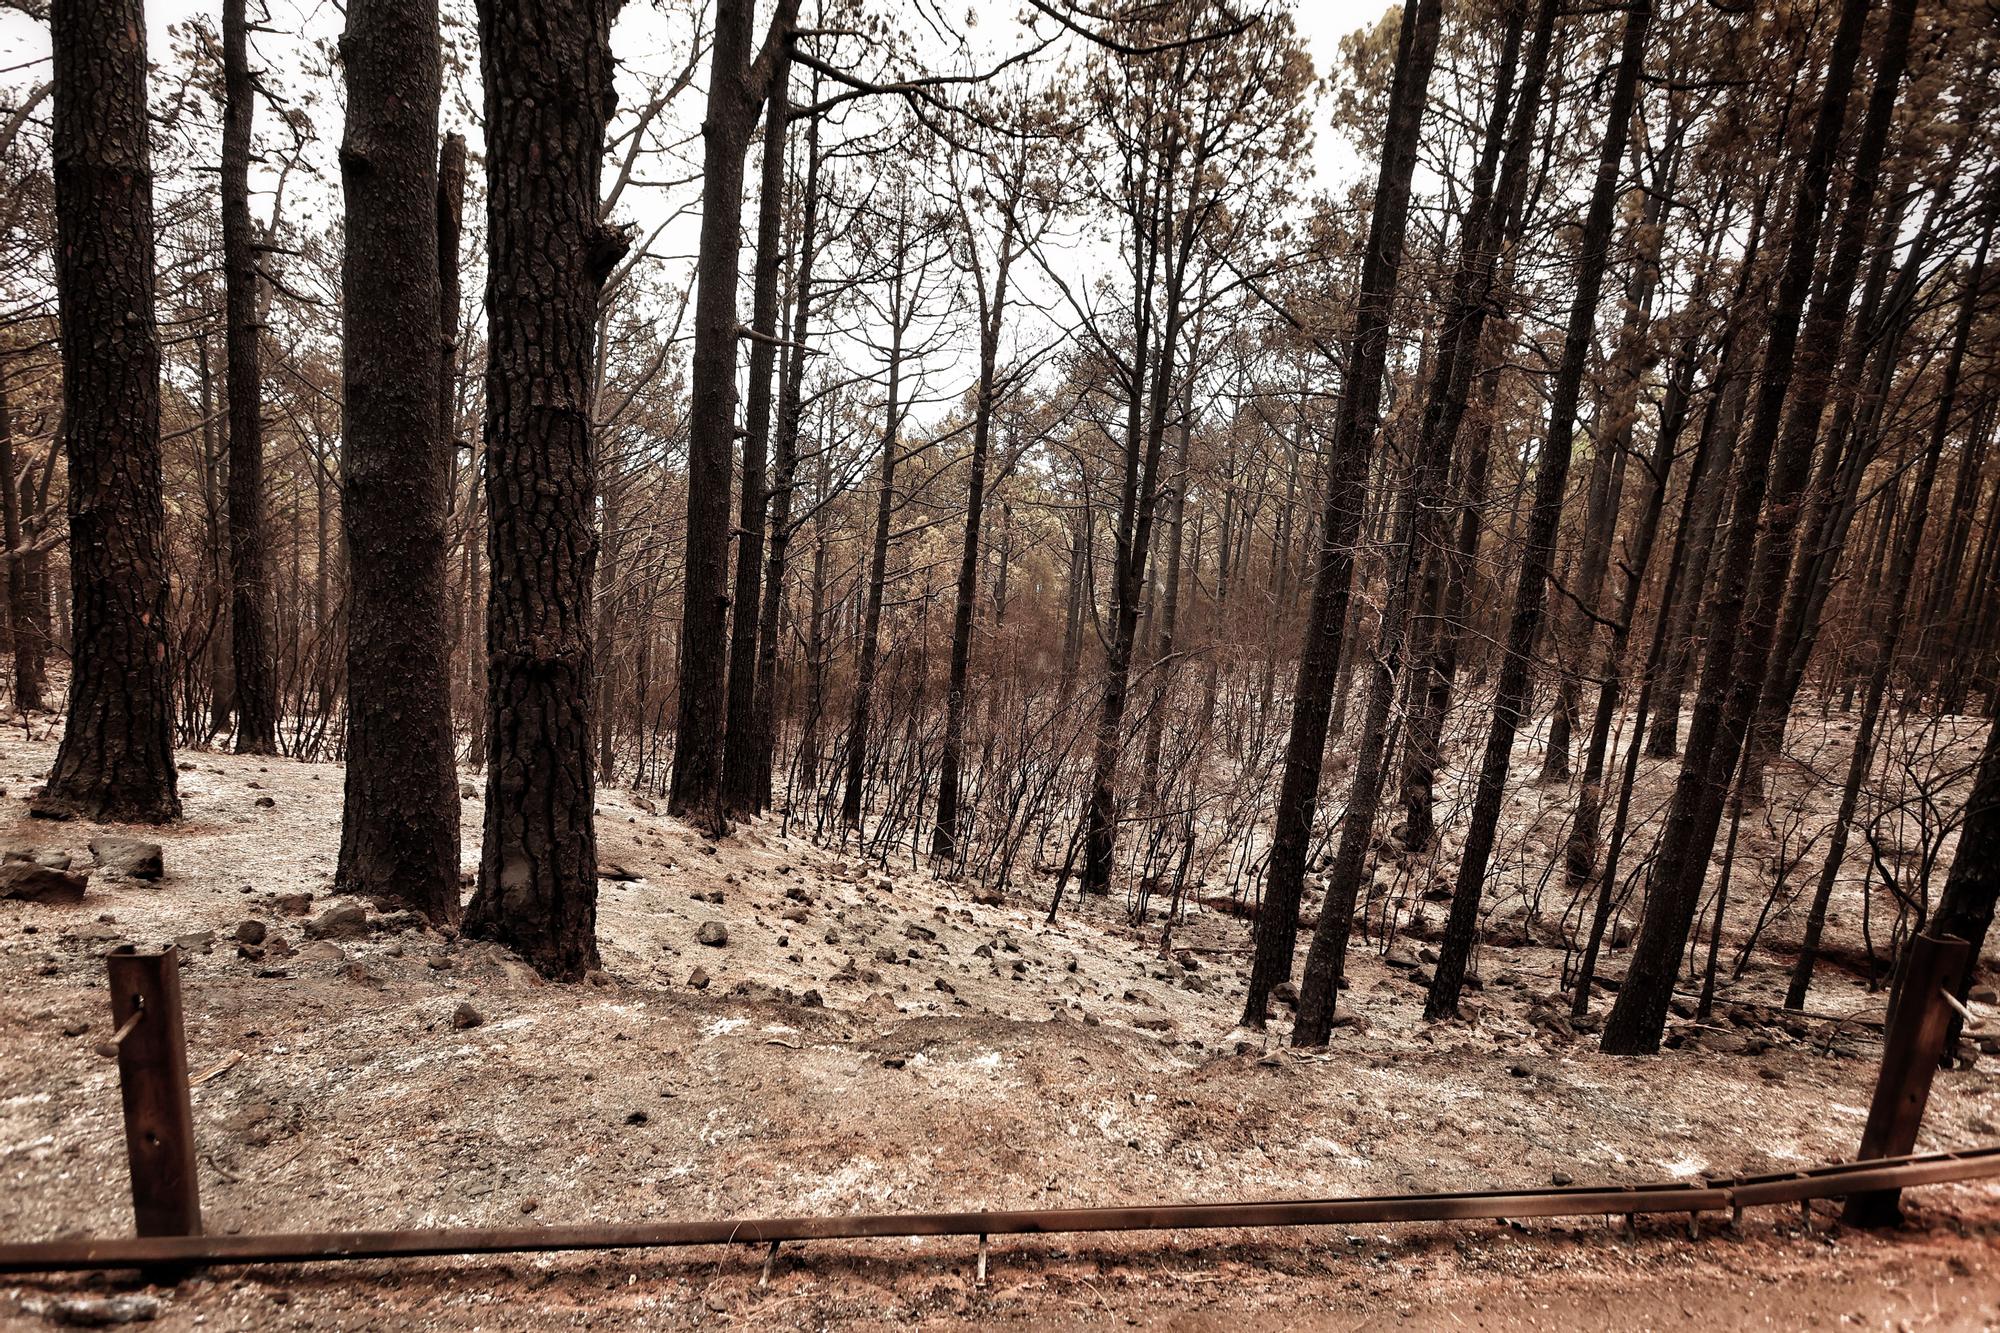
(874, 1041)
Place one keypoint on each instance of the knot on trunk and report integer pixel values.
(608, 245)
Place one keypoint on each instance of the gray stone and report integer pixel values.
(102, 1311)
(134, 858)
(712, 933)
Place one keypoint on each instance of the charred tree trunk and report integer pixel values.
(399, 826)
(1749, 586)
(867, 654)
(548, 74)
(741, 789)
(253, 643)
(22, 631)
(992, 317)
(1890, 613)
(735, 91)
(1551, 476)
(116, 759)
(1420, 519)
(784, 477)
(1965, 908)
(1813, 376)
(1346, 495)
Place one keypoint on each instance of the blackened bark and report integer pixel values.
(451, 226)
(1965, 908)
(116, 759)
(735, 91)
(992, 317)
(22, 633)
(399, 828)
(878, 556)
(784, 476)
(1420, 517)
(741, 789)
(1577, 628)
(1750, 584)
(548, 75)
(1346, 494)
(1826, 327)
(1889, 615)
(252, 640)
(1137, 511)
(1551, 476)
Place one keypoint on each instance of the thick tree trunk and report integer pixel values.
(116, 759)
(253, 644)
(1551, 476)
(1745, 604)
(548, 75)
(1346, 494)
(399, 828)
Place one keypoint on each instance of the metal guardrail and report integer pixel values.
(1835, 1180)
(159, 1134)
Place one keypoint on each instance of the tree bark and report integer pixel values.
(253, 645)
(116, 758)
(1551, 476)
(399, 830)
(741, 794)
(1346, 494)
(784, 477)
(548, 74)
(1750, 581)
(23, 633)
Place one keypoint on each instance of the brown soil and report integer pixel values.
(335, 1091)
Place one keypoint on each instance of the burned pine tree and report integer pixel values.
(399, 837)
(548, 81)
(116, 759)
(252, 641)
(1749, 577)
(1346, 494)
(1538, 557)
(736, 91)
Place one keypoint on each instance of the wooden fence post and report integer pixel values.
(153, 1080)
(1912, 1045)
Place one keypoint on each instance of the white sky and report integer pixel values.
(641, 40)
(651, 39)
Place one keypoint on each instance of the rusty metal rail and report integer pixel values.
(1731, 1194)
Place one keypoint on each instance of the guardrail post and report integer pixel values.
(153, 1080)
(1912, 1045)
